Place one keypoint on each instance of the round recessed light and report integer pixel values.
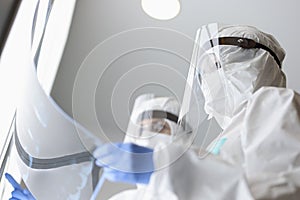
(161, 9)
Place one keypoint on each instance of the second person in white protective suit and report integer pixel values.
(257, 155)
(153, 123)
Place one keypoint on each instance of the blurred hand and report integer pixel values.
(18, 193)
(125, 162)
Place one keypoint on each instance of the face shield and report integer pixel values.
(230, 64)
(153, 121)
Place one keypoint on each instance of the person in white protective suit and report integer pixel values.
(153, 123)
(257, 155)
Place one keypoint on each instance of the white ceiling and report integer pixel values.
(95, 22)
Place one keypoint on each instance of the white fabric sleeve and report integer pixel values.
(192, 178)
(271, 143)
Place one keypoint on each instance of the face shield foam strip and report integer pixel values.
(240, 42)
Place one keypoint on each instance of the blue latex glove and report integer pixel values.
(125, 162)
(19, 193)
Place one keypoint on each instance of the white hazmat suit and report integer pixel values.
(261, 128)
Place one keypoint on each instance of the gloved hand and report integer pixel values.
(19, 193)
(125, 162)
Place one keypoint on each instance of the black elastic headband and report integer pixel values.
(240, 42)
(150, 114)
(158, 114)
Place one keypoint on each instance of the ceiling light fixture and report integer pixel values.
(161, 9)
